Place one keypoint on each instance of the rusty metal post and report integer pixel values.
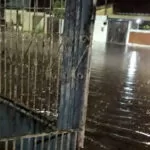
(75, 73)
(106, 1)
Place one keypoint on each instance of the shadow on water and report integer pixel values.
(119, 99)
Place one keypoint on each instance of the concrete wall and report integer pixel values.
(17, 121)
(100, 30)
(27, 20)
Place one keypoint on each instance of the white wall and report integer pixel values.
(27, 19)
(100, 30)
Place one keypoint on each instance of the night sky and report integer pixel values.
(129, 6)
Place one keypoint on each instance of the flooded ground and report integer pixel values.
(119, 100)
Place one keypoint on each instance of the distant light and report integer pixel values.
(138, 21)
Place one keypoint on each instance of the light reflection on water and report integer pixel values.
(132, 66)
(119, 98)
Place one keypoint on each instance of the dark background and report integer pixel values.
(120, 6)
(128, 6)
(132, 6)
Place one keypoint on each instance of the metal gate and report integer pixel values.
(30, 58)
(45, 141)
(30, 54)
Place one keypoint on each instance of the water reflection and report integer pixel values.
(130, 79)
(119, 106)
(132, 66)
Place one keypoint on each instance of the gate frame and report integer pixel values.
(76, 58)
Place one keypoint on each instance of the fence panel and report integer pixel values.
(59, 140)
(30, 54)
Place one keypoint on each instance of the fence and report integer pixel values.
(29, 55)
(59, 140)
(30, 58)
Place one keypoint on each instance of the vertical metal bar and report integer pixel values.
(29, 143)
(16, 56)
(68, 141)
(44, 16)
(2, 14)
(58, 77)
(56, 141)
(22, 143)
(61, 3)
(42, 146)
(22, 54)
(1, 44)
(62, 142)
(50, 77)
(5, 53)
(35, 143)
(35, 76)
(50, 52)
(14, 144)
(49, 142)
(33, 35)
(106, 7)
(35, 59)
(42, 75)
(11, 56)
(34, 14)
(16, 79)
(29, 59)
(51, 43)
(75, 141)
(28, 82)
(6, 145)
(43, 95)
(29, 15)
(51, 2)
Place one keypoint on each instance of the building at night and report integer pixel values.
(132, 6)
(127, 22)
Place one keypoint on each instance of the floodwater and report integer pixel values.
(119, 100)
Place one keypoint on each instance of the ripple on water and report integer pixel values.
(119, 100)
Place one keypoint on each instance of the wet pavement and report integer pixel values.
(119, 99)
